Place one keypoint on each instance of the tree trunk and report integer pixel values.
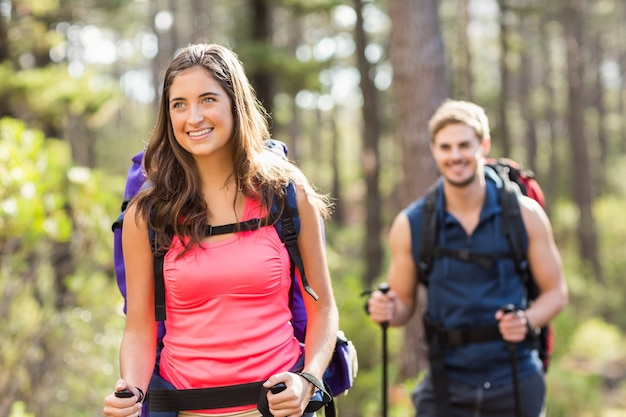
(262, 29)
(622, 69)
(370, 159)
(420, 86)
(205, 27)
(339, 216)
(166, 40)
(80, 140)
(4, 39)
(597, 104)
(551, 182)
(503, 133)
(465, 67)
(572, 20)
(526, 88)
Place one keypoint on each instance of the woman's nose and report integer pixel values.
(195, 114)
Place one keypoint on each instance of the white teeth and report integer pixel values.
(199, 132)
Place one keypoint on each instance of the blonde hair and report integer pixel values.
(456, 111)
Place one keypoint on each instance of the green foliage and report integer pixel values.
(597, 344)
(364, 399)
(32, 176)
(296, 75)
(589, 343)
(573, 393)
(46, 97)
(57, 298)
(19, 410)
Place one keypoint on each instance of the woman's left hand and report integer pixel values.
(292, 401)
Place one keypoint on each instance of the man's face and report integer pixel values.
(458, 153)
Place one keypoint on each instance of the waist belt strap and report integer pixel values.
(439, 339)
(463, 337)
(204, 398)
(440, 381)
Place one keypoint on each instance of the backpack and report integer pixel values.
(511, 179)
(342, 369)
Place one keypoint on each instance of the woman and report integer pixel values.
(228, 318)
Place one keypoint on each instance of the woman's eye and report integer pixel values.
(208, 99)
(177, 105)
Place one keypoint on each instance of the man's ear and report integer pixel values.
(485, 144)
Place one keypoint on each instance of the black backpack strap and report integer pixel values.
(289, 234)
(205, 398)
(158, 256)
(437, 367)
(428, 237)
(484, 260)
(513, 225)
(248, 225)
(428, 240)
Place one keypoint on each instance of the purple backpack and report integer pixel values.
(340, 374)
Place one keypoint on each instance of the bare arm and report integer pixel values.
(138, 348)
(398, 305)
(545, 264)
(322, 315)
(547, 271)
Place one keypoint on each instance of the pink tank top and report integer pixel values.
(228, 318)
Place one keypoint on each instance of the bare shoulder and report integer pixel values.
(535, 218)
(309, 199)
(400, 232)
(133, 216)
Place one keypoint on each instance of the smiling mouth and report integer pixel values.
(198, 133)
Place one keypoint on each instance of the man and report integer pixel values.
(475, 375)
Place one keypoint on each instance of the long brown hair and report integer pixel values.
(174, 203)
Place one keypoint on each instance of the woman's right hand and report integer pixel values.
(120, 405)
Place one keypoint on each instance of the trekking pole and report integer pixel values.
(513, 353)
(384, 288)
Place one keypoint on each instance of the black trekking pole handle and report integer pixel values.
(510, 308)
(384, 288)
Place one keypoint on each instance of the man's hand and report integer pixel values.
(513, 324)
(382, 306)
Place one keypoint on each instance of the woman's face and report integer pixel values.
(201, 115)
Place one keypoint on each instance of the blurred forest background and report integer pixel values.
(350, 86)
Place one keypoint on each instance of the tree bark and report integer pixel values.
(503, 133)
(262, 30)
(370, 159)
(573, 23)
(465, 67)
(549, 111)
(597, 104)
(526, 88)
(420, 86)
(339, 215)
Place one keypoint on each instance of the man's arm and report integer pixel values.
(545, 265)
(398, 305)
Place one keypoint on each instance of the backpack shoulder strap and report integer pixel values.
(287, 226)
(428, 236)
(158, 258)
(288, 229)
(512, 222)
